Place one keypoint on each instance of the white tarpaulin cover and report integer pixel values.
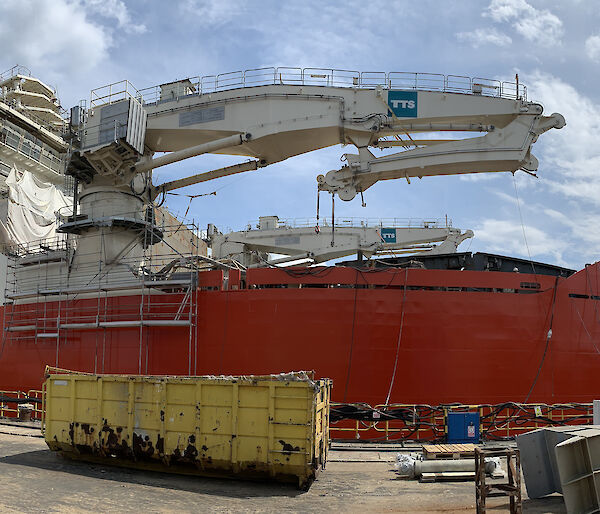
(32, 207)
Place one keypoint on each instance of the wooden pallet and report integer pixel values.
(448, 451)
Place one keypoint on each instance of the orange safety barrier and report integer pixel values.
(424, 423)
(398, 421)
(10, 400)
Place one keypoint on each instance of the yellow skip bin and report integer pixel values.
(273, 426)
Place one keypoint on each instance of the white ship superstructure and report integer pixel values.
(31, 127)
(33, 154)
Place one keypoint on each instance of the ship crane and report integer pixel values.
(296, 241)
(266, 116)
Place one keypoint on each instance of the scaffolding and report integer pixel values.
(55, 293)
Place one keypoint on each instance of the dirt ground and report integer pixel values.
(34, 479)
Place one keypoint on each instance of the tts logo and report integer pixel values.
(388, 235)
(403, 104)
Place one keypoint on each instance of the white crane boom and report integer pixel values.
(290, 115)
(271, 115)
(319, 244)
(501, 149)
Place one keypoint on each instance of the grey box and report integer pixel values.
(538, 458)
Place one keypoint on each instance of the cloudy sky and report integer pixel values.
(554, 46)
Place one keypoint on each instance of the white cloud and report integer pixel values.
(584, 227)
(512, 199)
(506, 237)
(592, 48)
(537, 25)
(214, 12)
(479, 177)
(564, 202)
(481, 37)
(505, 10)
(34, 33)
(115, 9)
(308, 33)
(571, 155)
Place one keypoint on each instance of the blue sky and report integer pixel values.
(553, 45)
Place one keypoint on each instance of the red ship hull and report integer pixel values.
(421, 336)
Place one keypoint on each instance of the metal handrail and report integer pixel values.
(24, 71)
(17, 69)
(48, 125)
(359, 222)
(21, 141)
(330, 77)
(112, 93)
(502, 424)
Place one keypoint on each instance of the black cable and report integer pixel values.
(351, 337)
(19, 401)
(548, 337)
(422, 417)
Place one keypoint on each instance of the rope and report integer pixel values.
(351, 336)
(586, 331)
(522, 224)
(470, 243)
(225, 325)
(548, 337)
(358, 273)
(594, 303)
(387, 400)
(191, 197)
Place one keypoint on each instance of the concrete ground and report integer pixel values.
(34, 479)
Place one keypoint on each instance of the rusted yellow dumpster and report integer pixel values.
(273, 426)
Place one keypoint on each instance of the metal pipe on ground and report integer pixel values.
(441, 465)
(412, 466)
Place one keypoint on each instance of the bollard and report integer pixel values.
(25, 410)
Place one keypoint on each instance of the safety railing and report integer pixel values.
(397, 422)
(37, 247)
(330, 77)
(400, 422)
(505, 421)
(358, 223)
(24, 143)
(57, 123)
(38, 403)
(10, 401)
(14, 71)
(113, 93)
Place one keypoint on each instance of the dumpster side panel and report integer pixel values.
(231, 426)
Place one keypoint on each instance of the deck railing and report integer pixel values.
(347, 222)
(200, 85)
(24, 143)
(15, 70)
